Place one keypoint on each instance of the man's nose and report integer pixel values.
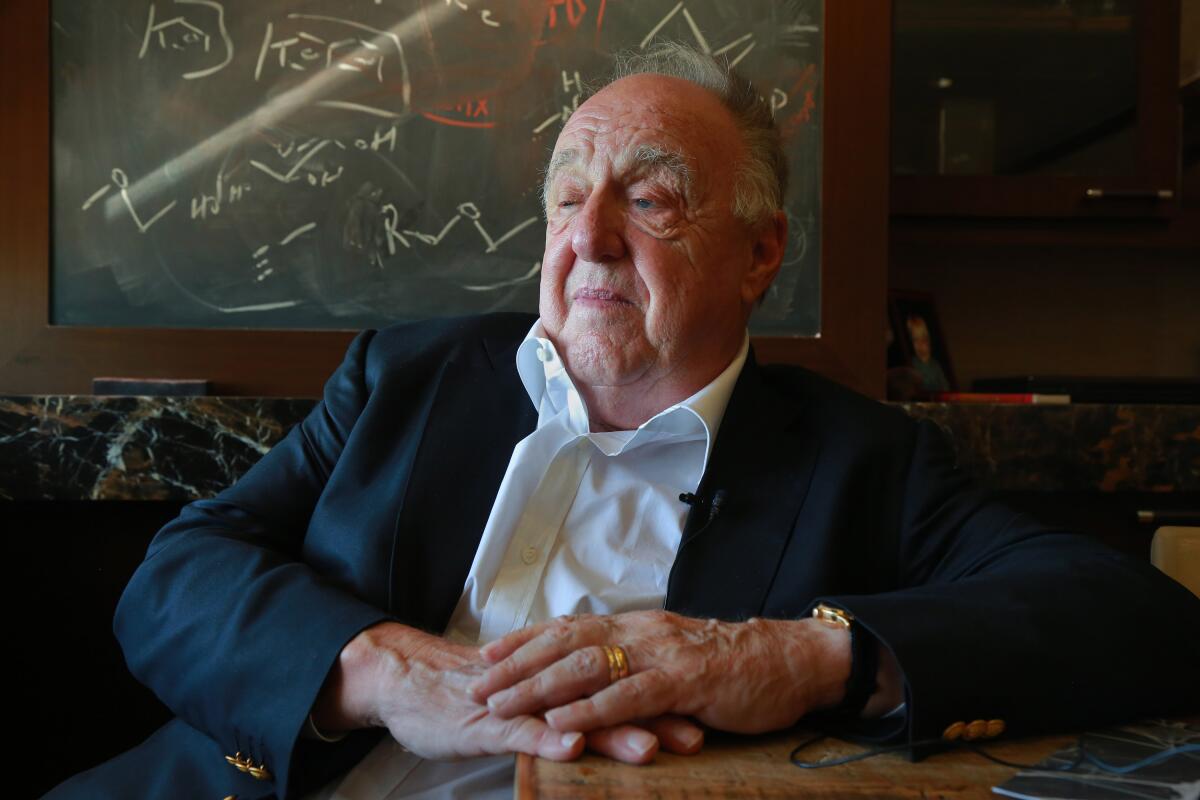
(598, 234)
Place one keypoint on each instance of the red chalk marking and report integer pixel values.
(576, 9)
(458, 123)
(810, 105)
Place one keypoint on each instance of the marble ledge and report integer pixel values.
(1082, 447)
(181, 448)
(77, 447)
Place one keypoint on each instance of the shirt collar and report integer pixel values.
(552, 393)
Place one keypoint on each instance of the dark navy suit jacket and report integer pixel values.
(372, 508)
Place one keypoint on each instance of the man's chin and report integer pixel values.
(604, 359)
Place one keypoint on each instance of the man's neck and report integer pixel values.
(622, 408)
(626, 407)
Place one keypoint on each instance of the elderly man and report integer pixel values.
(611, 528)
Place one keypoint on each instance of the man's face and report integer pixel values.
(919, 333)
(647, 275)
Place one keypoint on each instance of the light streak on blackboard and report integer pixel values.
(347, 106)
(320, 85)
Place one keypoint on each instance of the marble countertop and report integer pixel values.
(67, 447)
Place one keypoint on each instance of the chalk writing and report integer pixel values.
(184, 32)
(205, 204)
(489, 287)
(291, 175)
(262, 271)
(574, 11)
(381, 137)
(485, 15)
(121, 181)
(470, 211)
(779, 99)
(572, 87)
(342, 46)
(478, 108)
(798, 236)
(309, 178)
(304, 50)
(472, 113)
(746, 41)
(805, 86)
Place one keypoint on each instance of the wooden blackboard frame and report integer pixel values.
(37, 357)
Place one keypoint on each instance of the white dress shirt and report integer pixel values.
(583, 522)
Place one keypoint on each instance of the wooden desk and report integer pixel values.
(758, 766)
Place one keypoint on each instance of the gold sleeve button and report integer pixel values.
(243, 763)
(953, 731)
(976, 729)
(995, 727)
(259, 773)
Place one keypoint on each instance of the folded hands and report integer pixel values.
(548, 689)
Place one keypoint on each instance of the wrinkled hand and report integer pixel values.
(746, 677)
(415, 685)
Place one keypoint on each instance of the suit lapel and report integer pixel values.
(762, 463)
(479, 413)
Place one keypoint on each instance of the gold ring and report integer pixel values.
(618, 662)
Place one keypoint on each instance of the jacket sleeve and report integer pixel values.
(1000, 618)
(224, 621)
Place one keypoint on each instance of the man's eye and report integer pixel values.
(643, 203)
(567, 203)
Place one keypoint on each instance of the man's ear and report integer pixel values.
(767, 256)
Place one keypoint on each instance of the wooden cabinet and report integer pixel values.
(1036, 109)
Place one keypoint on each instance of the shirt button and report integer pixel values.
(544, 354)
(529, 555)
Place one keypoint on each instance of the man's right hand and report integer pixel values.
(415, 685)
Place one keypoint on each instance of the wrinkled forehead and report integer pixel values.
(602, 141)
(650, 121)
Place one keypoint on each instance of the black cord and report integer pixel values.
(1081, 755)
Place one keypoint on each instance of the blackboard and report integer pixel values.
(350, 163)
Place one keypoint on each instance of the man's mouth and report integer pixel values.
(596, 295)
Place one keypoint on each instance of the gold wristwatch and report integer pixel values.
(864, 659)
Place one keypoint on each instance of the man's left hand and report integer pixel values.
(746, 677)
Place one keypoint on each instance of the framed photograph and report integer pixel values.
(918, 356)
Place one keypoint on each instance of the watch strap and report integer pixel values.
(864, 660)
